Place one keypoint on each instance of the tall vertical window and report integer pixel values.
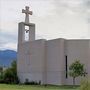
(66, 66)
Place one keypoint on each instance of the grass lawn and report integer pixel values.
(28, 87)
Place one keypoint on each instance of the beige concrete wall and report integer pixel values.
(55, 62)
(31, 61)
(77, 49)
(89, 60)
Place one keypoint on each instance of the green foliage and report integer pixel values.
(76, 69)
(1, 69)
(27, 82)
(85, 85)
(10, 74)
(1, 75)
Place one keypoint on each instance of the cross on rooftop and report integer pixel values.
(27, 12)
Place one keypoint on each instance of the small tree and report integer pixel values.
(76, 69)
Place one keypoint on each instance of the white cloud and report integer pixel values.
(11, 46)
(53, 19)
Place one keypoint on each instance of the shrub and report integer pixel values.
(27, 82)
(85, 85)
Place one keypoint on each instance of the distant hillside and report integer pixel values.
(7, 56)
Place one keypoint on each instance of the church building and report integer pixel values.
(48, 61)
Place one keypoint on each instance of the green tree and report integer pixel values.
(76, 69)
(10, 74)
(1, 69)
(1, 74)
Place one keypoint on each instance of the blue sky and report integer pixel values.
(53, 19)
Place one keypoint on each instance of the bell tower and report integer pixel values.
(26, 30)
(26, 34)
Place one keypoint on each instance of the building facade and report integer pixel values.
(47, 61)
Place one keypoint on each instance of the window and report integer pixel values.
(66, 66)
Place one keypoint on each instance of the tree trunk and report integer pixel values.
(73, 80)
